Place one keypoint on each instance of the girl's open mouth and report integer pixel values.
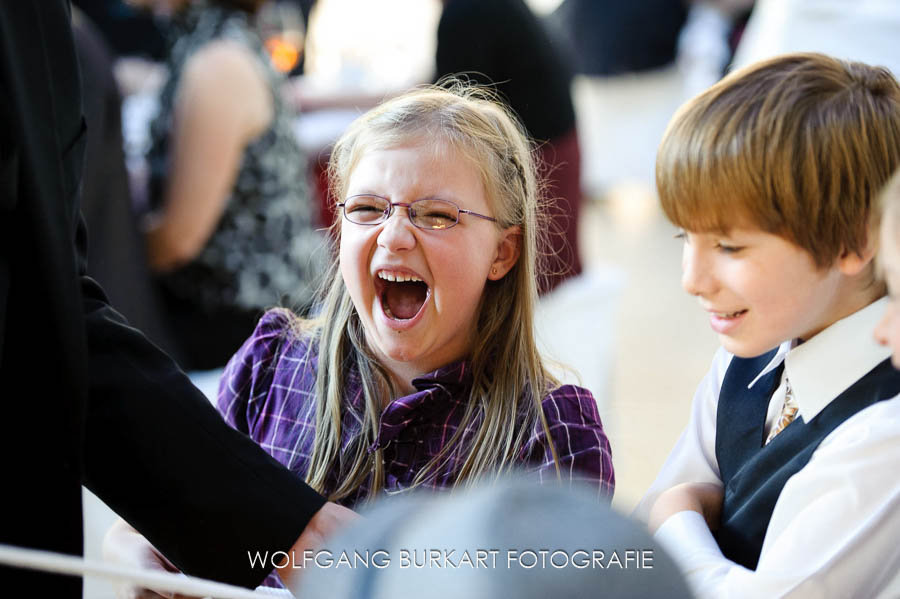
(402, 295)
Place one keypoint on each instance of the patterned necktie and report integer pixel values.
(788, 411)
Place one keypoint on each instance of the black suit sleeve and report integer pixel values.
(112, 410)
(159, 454)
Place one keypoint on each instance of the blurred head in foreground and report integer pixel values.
(512, 539)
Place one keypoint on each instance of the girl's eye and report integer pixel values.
(682, 235)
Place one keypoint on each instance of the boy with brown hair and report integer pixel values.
(784, 482)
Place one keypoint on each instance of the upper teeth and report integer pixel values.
(728, 314)
(397, 277)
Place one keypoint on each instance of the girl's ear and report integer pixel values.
(508, 249)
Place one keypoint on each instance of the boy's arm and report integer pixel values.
(702, 498)
(833, 531)
(693, 459)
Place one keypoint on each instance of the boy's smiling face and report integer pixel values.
(760, 289)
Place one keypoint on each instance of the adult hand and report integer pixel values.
(124, 545)
(329, 520)
(703, 498)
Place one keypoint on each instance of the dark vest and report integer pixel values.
(754, 474)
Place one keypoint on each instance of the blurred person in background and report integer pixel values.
(128, 30)
(865, 30)
(231, 229)
(607, 37)
(707, 42)
(501, 43)
(635, 63)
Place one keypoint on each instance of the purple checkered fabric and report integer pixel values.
(268, 387)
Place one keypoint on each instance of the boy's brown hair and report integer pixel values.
(799, 146)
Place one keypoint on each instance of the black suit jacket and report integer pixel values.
(116, 257)
(85, 398)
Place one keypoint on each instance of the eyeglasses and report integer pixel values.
(430, 215)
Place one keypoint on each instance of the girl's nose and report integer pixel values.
(397, 232)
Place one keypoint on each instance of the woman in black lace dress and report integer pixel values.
(233, 228)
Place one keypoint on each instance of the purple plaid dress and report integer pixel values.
(268, 392)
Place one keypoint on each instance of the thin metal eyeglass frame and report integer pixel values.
(386, 214)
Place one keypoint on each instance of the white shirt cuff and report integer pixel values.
(688, 541)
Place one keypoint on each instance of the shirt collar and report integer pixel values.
(829, 363)
(450, 376)
(435, 391)
(775, 362)
(825, 366)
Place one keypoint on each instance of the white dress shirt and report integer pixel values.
(835, 529)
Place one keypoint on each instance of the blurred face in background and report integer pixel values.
(888, 330)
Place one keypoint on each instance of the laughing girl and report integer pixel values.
(421, 370)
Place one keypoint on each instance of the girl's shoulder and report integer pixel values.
(573, 441)
(570, 403)
(279, 333)
(280, 350)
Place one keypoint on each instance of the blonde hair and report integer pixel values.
(798, 146)
(509, 378)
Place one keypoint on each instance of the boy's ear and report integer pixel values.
(852, 263)
(508, 250)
